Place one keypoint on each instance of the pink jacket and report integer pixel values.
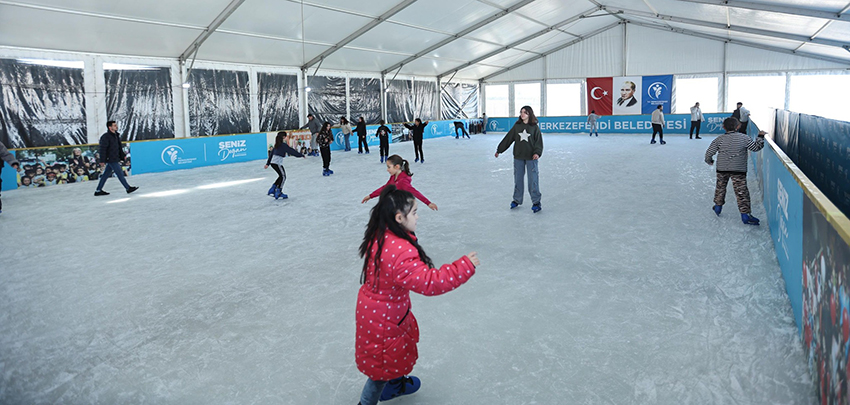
(401, 183)
(387, 332)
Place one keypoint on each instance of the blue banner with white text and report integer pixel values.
(616, 124)
(187, 153)
(657, 91)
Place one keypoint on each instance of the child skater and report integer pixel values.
(400, 175)
(325, 139)
(395, 264)
(417, 131)
(384, 137)
(345, 128)
(281, 148)
(528, 147)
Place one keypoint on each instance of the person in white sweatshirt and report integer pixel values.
(696, 120)
(658, 125)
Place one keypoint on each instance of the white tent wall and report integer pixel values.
(749, 59)
(597, 56)
(650, 51)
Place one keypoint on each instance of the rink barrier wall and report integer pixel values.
(616, 124)
(812, 242)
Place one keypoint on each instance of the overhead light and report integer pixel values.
(186, 85)
(308, 89)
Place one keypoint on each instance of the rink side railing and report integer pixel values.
(811, 237)
(186, 153)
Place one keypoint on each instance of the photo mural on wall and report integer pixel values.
(365, 99)
(278, 100)
(219, 102)
(326, 99)
(140, 102)
(41, 105)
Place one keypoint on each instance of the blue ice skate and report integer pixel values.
(749, 219)
(330, 172)
(400, 386)
(717, 209)
(271, 190)
(325, 172)
(514, 204)
(536, 208)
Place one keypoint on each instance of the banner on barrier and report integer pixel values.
(616, 124)
(44, 167)
(186, 153)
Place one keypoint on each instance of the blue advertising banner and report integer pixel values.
(783, 201)
(187, 153)
(616, 124)
(434, 129)
(657, 90)
(9, 176)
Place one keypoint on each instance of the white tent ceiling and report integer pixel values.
(476, 38)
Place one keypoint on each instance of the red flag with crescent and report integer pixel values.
(599, 95)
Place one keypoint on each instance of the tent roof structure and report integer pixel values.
(463, 39)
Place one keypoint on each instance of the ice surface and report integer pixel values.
(625, 289)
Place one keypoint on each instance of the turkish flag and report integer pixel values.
(599, 97)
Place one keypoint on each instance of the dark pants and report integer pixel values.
(695, 125)
(326, 156)
(743, 128)
(739, 184)
(385, 145)
(417, 148)
(657, 129)
(112, 167)
(281, 175)
(459, 126)
(361, 143)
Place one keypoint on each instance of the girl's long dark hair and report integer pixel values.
(381, 219)
(396, 160)
(326, 128)
(532, 119)
(278, 140)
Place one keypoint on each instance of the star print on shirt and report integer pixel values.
(523, 136)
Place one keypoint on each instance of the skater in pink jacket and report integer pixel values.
(399, 170)
(394, 265)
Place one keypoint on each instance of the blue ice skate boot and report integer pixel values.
(749, 219)
(271, 190)
(717, 209)
(416, 161)
(278, 193)
(422, 160)
(536, 208)
(652, 142)
(399, 387)
(663, 143)
(325, 172)
(330, 172)
(514, 204)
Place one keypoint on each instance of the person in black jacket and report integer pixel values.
(111, 155)
(361, 136)
(384, 136)
(416, 131)
(276, 155)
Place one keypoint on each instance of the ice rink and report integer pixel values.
(200, 289)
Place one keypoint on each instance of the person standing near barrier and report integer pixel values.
(361, 136)
(9, 158)
(314, 127)
(591, 121)
(732, 160)
(658, 125)
(346, 132)
(111, 155)
(417, 131)
(696, 120)
(484, 122)
(743, 116)
(528, 147)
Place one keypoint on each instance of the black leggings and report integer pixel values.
(695, 125)
(385, 145)
(361, 143)
(281, 175)
(326, 156)
(417, 148)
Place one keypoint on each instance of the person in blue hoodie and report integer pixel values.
(276, 155)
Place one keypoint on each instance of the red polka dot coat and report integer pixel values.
(387, 332)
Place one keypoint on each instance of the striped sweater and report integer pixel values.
(731, 149)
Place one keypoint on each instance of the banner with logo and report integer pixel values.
(657, 91)
(616, 124)
(629, 95)
(187, 153)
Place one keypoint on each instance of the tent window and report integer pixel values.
(701, 90)
(563, 99)
(758, 93)
(497, 100)
(813, 94)
(527, 94)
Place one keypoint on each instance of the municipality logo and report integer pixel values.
(171, 154)
(232, 149)
(655, 90)
(493, 125)
(434, 129)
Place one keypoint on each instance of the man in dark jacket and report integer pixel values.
(361, 136)
(111, 155)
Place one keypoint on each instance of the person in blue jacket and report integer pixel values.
(276, 155)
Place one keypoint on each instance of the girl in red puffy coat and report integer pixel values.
(394, 264)
(399, 170)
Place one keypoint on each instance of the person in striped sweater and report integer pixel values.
(731, 149)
